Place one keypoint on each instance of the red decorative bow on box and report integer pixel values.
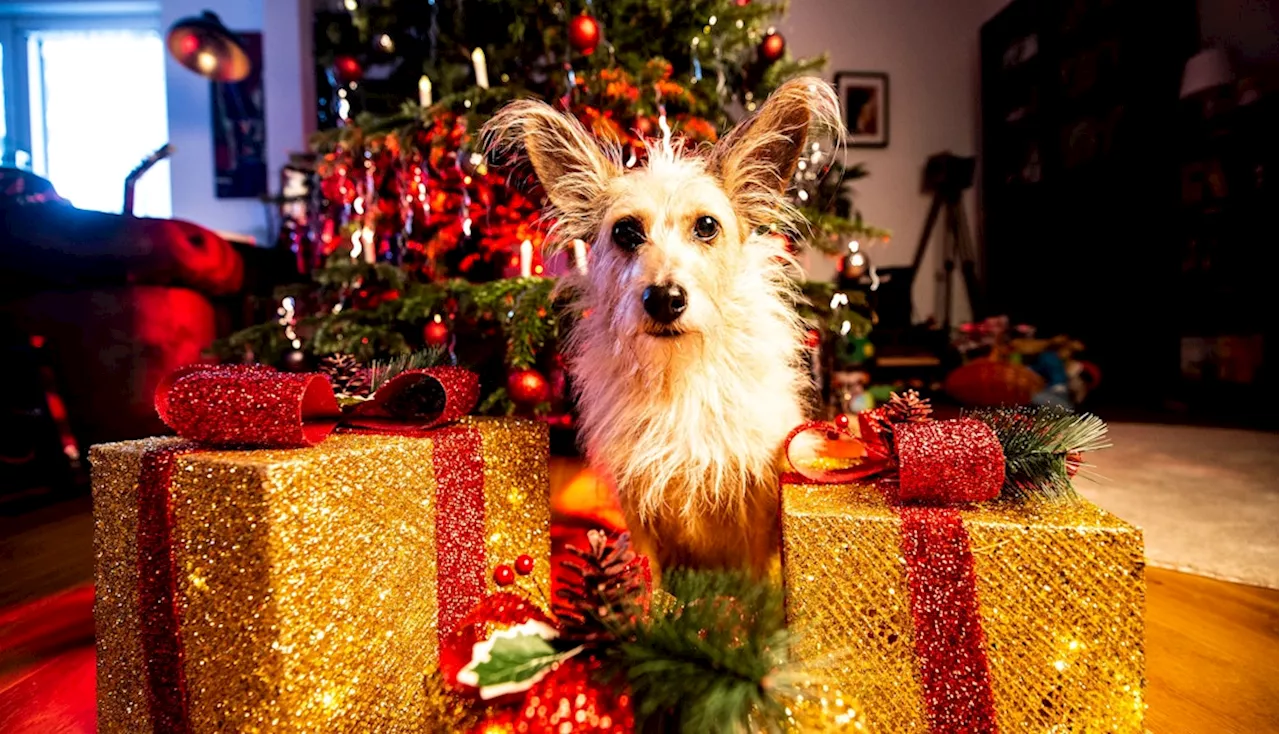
(241, 405)
(938, 462)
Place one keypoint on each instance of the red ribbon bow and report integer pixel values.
(940, 462)
(239, 405)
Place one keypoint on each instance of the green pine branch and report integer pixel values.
(1038, 443)
(381, 371)
(818, 310)
(702, 659)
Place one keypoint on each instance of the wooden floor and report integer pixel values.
(1211, 655)
(1211, 645)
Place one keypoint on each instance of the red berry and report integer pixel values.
(504, 576)
(842, 421)
(524, 565)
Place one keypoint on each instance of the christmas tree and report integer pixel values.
(413, 240)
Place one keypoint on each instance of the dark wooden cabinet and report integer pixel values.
(1228, 254)
(1080, 182)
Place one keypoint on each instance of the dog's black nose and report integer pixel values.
(664, 303)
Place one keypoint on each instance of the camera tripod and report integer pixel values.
(948, 176)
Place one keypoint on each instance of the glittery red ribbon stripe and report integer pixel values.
(157, 597)
(458, 457)
(951, 649)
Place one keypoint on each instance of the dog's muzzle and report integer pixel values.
(665, 302)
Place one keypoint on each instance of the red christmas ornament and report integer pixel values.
(571, 698)
(347, 69)
(527, 387)
(842, 422)
(524, 565)
(435, 333)
(584, 34)
(504, 576)
(742, 3)
(772, 47)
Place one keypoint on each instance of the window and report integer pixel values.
(84, 103)
(3, 129)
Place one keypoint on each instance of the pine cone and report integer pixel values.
(348, 376)
(907, 407)
(598, 585)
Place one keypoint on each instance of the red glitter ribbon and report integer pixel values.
(951, 649)
(157, 593)
(948, 462)
(237, 405)
(928, 465)
(460, 525)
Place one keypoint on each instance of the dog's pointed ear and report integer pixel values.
(758, 157)
(568, 160)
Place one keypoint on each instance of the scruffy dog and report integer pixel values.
(688, 359)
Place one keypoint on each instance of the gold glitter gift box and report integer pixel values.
(1058, 590)
(291, 590)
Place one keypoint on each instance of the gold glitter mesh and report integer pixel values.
(305, 577)
(824, 708)
(1061, 595)
(517, 488)
(446, 710)
(115, 598)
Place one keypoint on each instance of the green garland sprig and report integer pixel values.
(1043, 447)
(707, 654)
(703, 658)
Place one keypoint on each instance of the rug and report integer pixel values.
(1206, 498)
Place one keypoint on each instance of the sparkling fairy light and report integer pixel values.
(289, 319)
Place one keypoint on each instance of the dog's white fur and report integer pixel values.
(689, 427)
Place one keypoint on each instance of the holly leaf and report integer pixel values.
(512, 660)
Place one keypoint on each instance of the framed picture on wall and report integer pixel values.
(864, 101)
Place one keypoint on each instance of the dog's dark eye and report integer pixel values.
(628, 233)
(706, 228)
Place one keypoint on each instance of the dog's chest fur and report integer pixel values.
(693, 451)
